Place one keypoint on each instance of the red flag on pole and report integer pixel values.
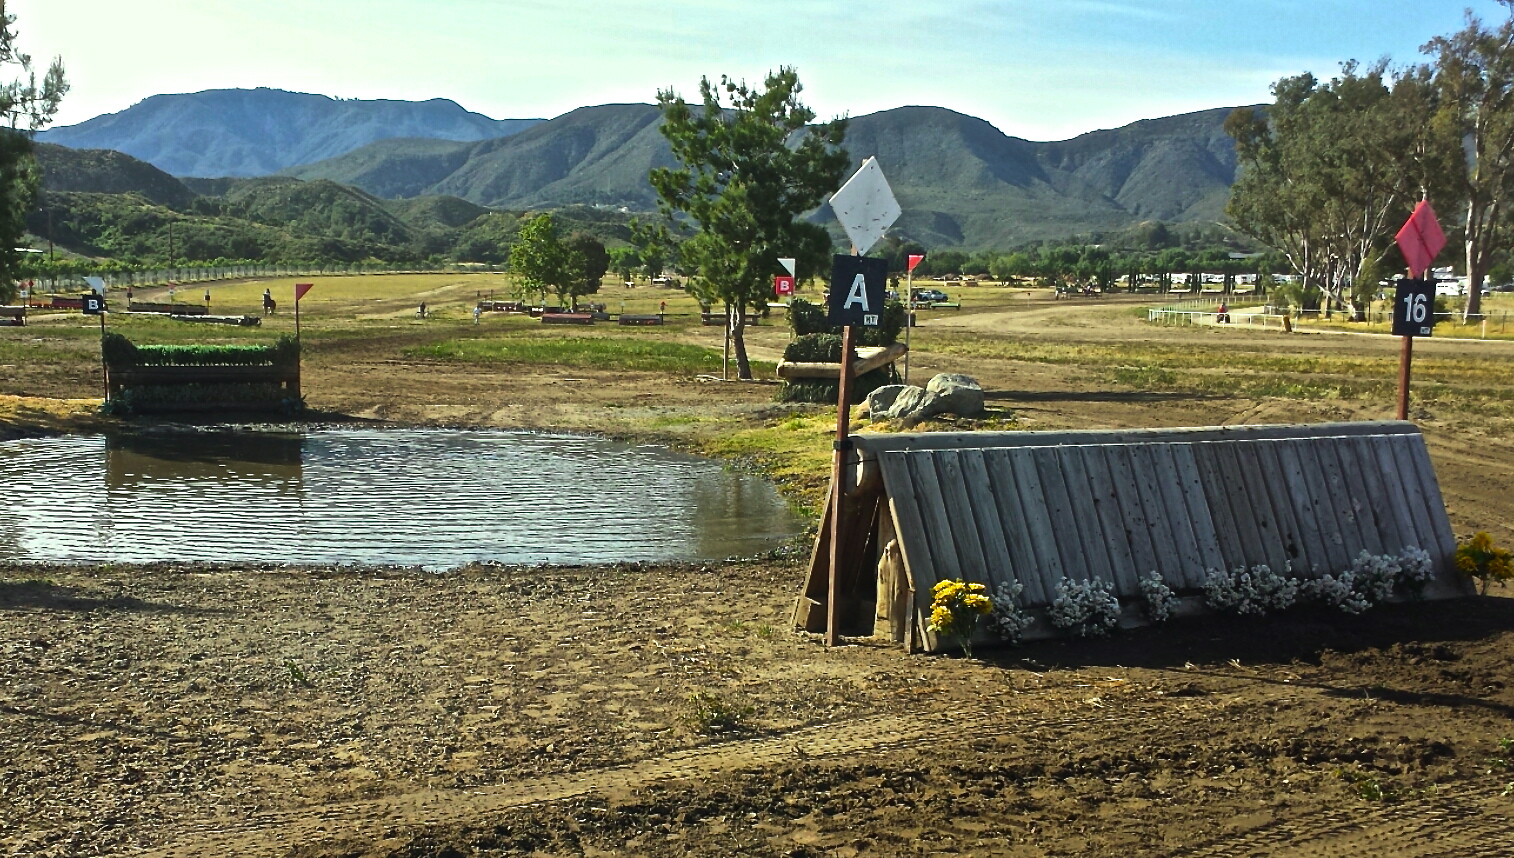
(914, 259)
(300, 289)
(1421, 239)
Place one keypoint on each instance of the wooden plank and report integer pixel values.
(971, 562)
(1158, 516)
(809, 613)
(1068, 538)
(910, 526)
(1185, 526)
(1407, 491)
(1338, 498)
(1038, 520)
(1015, 522)
(1434, 501)
(1244, 489)
(1322, 502)
(874, 444)
(1395, 524)
(1314, 558)
(1361, 498)
(1199, 517)
(1117, 533)
(1261, 505)
(1146, 553)
(1290, 530)
(999, 567)
(1220, 511)
(938, 530)
(1084, 512)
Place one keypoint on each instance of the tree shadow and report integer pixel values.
(41, 594)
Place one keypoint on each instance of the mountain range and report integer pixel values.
(961, 181)
(255, 132)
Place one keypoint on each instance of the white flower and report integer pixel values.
(1008, 619)
(1160, 600)
(1085, 608)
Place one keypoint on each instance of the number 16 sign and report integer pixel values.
(1414, 308)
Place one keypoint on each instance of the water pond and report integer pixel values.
(428, 497)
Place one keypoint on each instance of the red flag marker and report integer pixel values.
(300, 289)
(915, 259)
(1421, 239)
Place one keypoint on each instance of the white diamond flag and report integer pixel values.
(865, 205)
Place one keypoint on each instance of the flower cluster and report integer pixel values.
(1485, 562)
(1160, 599)
(1258, 590)
(1008, 619)
(1415, 569)
(1085, 608)
(956, 607)
(1339, 592)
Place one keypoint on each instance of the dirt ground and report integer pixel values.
(672, 710)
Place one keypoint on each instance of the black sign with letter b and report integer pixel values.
(857, 287)
(1414, 308)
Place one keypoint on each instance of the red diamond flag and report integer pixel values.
(300, 289)
(915, 259)
(1421, 239)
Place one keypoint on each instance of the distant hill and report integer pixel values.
(102, 171)
(960, 180)
(591, 156)
(256, 132)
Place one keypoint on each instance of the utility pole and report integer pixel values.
(170, 245)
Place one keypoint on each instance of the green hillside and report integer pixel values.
(961, 181)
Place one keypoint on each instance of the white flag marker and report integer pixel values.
(865, 205)
(788, 265)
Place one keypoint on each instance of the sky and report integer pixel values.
(1038, 69)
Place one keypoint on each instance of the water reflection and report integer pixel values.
(426, 497)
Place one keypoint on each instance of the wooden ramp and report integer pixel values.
(1035, 507)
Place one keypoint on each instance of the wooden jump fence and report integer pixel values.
(1035, 507)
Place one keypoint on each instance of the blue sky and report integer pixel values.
(1041, 69)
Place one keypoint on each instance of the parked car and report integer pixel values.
(930, 295)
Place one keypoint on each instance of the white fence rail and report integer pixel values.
(1171, 316)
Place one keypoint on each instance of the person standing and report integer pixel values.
(478, 311)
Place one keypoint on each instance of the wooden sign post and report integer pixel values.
(857, 295)
(1420, 239)
(866, 208)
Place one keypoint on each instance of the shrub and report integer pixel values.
(956, 607)
(1160, 600)
(1257, 591)
(1007, 618)
(1481, 560)
(1085, 608)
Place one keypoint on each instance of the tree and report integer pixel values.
(748, 171)
(625, 262)
(544, 262)
(591, 261)
(26, 105)
(1474, 77)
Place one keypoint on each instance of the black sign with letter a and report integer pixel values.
(1414, 308)
(857, 287)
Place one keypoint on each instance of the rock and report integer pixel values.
(956, 394)
(882, 399)
(911, 405)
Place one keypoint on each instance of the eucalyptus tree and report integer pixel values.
(1474, 79)
(750, 166)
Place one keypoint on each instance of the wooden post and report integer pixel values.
(104, 367)
(838, 490)
(1406, 357)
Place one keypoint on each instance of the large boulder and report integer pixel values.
(882, 399)
(956, 394)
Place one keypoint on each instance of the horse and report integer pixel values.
(269, 305)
